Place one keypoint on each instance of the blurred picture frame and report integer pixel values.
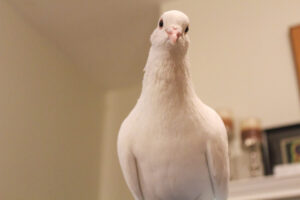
(280, 145)
(295, 42)
(290, 150)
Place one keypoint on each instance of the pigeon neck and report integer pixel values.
(167, 77)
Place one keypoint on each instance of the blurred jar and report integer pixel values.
(251, 132)
(251, 135)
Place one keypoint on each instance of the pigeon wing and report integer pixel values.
(130, 170)
(218, 167)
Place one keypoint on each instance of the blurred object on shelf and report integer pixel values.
(287, 169)
(295, 40)
(251, 142)
(251, 132)
(227, 118)
(281, 145)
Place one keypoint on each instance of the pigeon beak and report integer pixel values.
(173, 34)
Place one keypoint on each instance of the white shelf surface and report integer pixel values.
(265, 188)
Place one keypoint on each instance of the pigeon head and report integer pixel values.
(171, 31)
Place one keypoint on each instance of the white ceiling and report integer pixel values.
(108, 40)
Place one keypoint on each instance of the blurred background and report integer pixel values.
(70, 72)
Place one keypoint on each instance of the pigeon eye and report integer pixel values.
(161, 23)
(186, 29)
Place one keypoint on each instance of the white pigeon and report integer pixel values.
(172, 146)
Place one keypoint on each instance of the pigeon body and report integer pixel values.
(172, 146)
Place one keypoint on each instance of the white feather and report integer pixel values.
(172, 146)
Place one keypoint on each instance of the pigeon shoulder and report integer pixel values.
(127, 130)
(216, 124)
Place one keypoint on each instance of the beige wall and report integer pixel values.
(49, 119)
(241, 56)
